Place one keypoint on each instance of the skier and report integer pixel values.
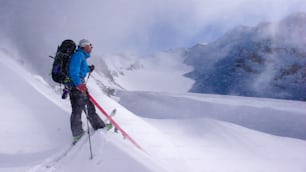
(78, 69)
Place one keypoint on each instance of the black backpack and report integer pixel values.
(61, 62)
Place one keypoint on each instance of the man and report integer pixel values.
(78, 70)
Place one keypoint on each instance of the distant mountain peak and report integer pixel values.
(266, 61)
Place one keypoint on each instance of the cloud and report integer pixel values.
(36, 27)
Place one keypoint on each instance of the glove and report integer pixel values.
(82, 88)
(91, 68)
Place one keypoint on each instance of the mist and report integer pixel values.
(34, 28)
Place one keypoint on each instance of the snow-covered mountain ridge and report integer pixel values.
(263, 61)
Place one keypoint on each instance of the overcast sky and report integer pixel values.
(35, 27)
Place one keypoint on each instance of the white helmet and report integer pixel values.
(84, 42)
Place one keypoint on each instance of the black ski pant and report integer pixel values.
(78, 102)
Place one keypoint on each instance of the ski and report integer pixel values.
(112, 114)
(108, 124)
(75, 140)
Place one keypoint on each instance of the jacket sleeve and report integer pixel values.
(74, 68)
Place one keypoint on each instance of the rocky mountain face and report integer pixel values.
(268, 60)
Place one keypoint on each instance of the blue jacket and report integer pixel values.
(78, 67)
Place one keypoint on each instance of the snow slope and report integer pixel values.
(35, 132)
(27, 135)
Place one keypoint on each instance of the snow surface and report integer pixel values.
(161, 72)
(35, 130)
(204, 144)
(36, 134)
